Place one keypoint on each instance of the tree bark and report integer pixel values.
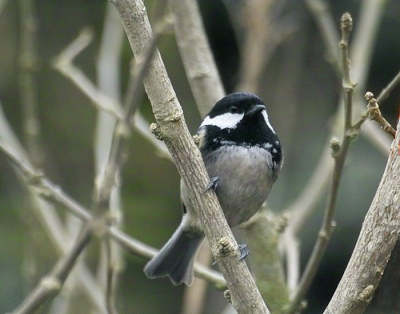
(171, 127)
(378, 236)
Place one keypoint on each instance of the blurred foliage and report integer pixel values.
(301, 93)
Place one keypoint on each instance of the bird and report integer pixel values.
(243, 157)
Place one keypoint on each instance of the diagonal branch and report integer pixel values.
(172, 128)
(42, 292)
(49, 191)
(378, 236)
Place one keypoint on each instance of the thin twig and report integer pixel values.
(263, 36)
(388, 89)
(46, 214)
(28, 66)
(327, 26)
(63, 63)
(112, 106)
(384, 94)
(48, 190)
(375, 114)
(100, 207)
(52, 284)
(339, 153)
(107, 181)
(108, 77)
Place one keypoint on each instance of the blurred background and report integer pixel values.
(301, 90)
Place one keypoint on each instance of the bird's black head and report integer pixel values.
(239, 119)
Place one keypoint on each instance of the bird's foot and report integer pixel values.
(244, 251)
(213, 184)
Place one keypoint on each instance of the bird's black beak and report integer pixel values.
(255, 109)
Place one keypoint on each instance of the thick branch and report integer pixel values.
(262, 233)
(172, 128)
(376, 241)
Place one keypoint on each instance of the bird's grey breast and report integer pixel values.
(246, 175)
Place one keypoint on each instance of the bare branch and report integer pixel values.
(52, 284)
(198, 60)
(63, 63)
(111, 259)
(172, 128)
(263, 244)
(375, 114)
(388, 89)
(46, 189)
(263, 36)
(101, 100)
(339, 153)
(101, 202)
(321, 13)
(207, 88)
(376, 241)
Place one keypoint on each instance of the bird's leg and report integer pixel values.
(213, 184)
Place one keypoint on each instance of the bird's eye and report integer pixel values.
(233, 109)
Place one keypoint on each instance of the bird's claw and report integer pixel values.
(244, 251)
(213, 184)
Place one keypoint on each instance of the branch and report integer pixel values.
(102, 196)
(52, 284)
(207, 89)
(196, 55)
(50, 192)
(339, 153)
(371, 16)
(327, 26)
(172, 128)
(376, 241)
(263, 244)
(63, 63)
(46, 214)
(263, 35)
(111, 260)
(375, 114)
(388, 89)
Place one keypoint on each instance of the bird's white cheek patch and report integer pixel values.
(264, 113)
(225, 121)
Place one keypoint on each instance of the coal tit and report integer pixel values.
(243, 157)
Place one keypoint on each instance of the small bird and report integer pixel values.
(243, 157)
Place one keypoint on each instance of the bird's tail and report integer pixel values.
(176, 258)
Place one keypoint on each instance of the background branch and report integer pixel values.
(111, 262)
(196, 55)
(339, 153)
(47, 190)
